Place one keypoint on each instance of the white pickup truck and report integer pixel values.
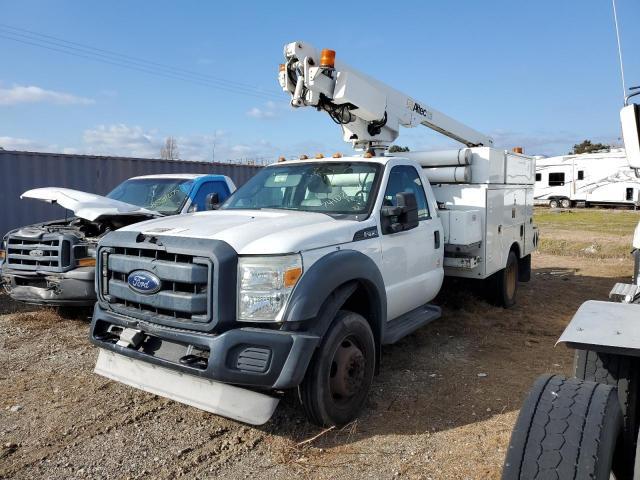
(303, 274)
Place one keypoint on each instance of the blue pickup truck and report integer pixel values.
(53, 263)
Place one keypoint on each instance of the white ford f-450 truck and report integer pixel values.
(306, 271)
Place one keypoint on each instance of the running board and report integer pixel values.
(226, 400)
(409, 322)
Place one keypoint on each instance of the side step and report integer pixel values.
(409, 322)
(219, 398)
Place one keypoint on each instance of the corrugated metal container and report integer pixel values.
(21, 171)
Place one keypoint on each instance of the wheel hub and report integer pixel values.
(347, 370)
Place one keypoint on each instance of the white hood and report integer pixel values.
(256, 232)
(86, 205)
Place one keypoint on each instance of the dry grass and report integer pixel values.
(586, 233)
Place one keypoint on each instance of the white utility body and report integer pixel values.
(311, 266)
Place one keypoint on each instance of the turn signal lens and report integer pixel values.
(292, 276)
(86, 262)
(3, 254)
(328, 58)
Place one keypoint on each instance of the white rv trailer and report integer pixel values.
(602, 178)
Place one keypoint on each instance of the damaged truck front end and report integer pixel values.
(53, 263)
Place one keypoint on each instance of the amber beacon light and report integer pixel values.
(328, 58)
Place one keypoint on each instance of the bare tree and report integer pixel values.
(170, 150)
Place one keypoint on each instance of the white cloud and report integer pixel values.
(25, 144)
(30, 94)
(135, 141)
(269, 110)
(122, 140)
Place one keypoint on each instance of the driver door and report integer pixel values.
(411, 260)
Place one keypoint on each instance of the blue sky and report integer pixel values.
(540, 74)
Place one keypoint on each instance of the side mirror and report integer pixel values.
(630, 119)
(402, 217)
(212, 201)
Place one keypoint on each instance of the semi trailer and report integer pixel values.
(53, 263)
(300, 278)
(586, 426)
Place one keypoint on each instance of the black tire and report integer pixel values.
(553, 203)
(565, 203)
(337, 382)
(567, 428)
(502, 286)
(623, 373)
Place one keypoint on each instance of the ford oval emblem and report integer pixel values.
(144, 282)
(36, 253)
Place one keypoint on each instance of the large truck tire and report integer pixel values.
(622, 372)
(502, 286)
(337, 382)
(565, 203)
(567, 428)
(553, 203)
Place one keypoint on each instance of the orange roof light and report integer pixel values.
(337, 155)
(328, 58)
(368, 155)
(282, 67)
(319, 155)
(304, 157)
(282, 159)
(518, 150)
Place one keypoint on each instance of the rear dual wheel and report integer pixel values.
(622, 372)
(567, 428)
(502, 286)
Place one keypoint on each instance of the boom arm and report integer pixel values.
(369, 112)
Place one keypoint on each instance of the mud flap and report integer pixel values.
(226, 400)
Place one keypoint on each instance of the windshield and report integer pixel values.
(334, 188)
(164, 195)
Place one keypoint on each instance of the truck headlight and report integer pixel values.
(264, 286)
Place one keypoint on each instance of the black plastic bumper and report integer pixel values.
(73, 288)
(283, 356)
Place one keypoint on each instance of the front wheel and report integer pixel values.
(337, 382)
(553, 203)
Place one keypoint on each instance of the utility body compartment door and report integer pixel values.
(508, 214)
(411, 260)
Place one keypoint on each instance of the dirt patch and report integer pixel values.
(442, 407)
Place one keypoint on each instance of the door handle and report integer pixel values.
(436, 238)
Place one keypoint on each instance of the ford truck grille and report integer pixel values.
(182, 295)
(50, 252)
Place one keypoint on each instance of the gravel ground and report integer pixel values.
(442, 407)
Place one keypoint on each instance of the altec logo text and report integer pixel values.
(419, 109)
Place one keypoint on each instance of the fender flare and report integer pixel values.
(327, 285)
